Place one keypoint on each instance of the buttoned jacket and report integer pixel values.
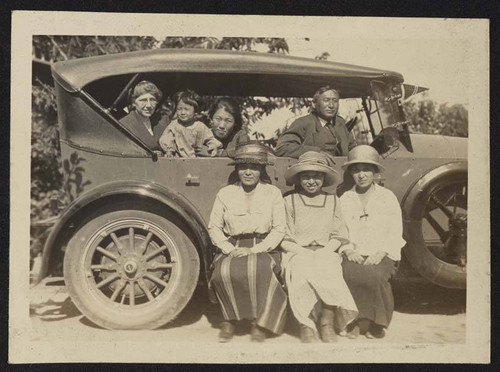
(134, 123)
(307, 134)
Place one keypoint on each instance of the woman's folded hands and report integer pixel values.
(240, 252)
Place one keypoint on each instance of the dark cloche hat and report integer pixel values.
(251, 153)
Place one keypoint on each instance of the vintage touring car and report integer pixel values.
(134, 242)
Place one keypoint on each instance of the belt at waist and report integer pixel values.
(246, 240)
(314, 247)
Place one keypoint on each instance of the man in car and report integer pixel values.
(323, 130)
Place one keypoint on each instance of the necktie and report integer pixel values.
(329, 125)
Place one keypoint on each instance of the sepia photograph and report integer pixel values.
(212, 192)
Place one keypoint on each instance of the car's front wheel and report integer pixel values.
(437, 231)
(130, 269)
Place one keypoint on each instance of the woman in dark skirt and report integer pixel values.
(373, 217)
(247, 223)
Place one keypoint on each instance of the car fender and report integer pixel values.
(417, 190)
(435, 270)
(149, 190)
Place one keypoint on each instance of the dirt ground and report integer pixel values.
(424, 313)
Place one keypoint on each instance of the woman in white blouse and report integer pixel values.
(247, 224)
(373, 218)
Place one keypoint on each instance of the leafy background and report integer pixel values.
(49, 182)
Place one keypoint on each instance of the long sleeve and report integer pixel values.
(230, 150)
(393, 228)
(278, 225)
(291, 142)
(209, 138)
(167, 140)
(216, 225)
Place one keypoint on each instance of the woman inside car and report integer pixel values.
(227, 126)
(373, 217)
(246, 225)
(143, 119)
(317, 291)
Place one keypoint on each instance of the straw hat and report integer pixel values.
(311, 161)
(251, 153)
(363, 154)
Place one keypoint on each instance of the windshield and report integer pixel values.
(385, 105)
(374, 118)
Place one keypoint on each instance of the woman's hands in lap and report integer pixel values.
(240, 252)
(374, 259)
(354, 256)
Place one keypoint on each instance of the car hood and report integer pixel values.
(436, 146)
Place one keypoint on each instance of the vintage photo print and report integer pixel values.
(249, 189)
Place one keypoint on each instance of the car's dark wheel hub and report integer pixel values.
(131, 263)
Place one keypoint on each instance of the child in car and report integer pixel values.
(185, 134)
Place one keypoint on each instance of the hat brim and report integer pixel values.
(251, 161)
(379, 166)
(292, 173)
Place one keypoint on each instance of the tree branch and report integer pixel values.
(58, 47)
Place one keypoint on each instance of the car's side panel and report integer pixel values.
(131, 191)
(198, 180)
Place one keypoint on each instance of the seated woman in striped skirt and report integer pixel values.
(247, 223)
(313, 270)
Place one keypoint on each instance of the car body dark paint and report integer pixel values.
(115, 162)
(247, 71)
(169, 199)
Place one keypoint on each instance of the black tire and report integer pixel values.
(152, 282)
(438, 202)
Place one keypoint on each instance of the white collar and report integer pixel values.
(377, 191)
(322, 121)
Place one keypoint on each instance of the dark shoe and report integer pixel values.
(375, 331)
(327, 333)
(364, 325)
(226, 331)
(257, 334)
(326, 322)
(307, 334)
(353, 333)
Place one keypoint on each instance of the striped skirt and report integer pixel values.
(248, 288)
(371, 289)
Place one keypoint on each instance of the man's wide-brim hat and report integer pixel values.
(363, 154)
(312, 161)
(251, 153)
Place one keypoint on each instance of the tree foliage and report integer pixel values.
(48, 181)
(428, 117)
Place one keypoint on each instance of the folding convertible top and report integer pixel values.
(221, 72)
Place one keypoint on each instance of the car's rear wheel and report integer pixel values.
(130, 269)
(437, 231)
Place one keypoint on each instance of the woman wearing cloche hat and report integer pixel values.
(247, 224)
(373, 217)
(315, 230)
